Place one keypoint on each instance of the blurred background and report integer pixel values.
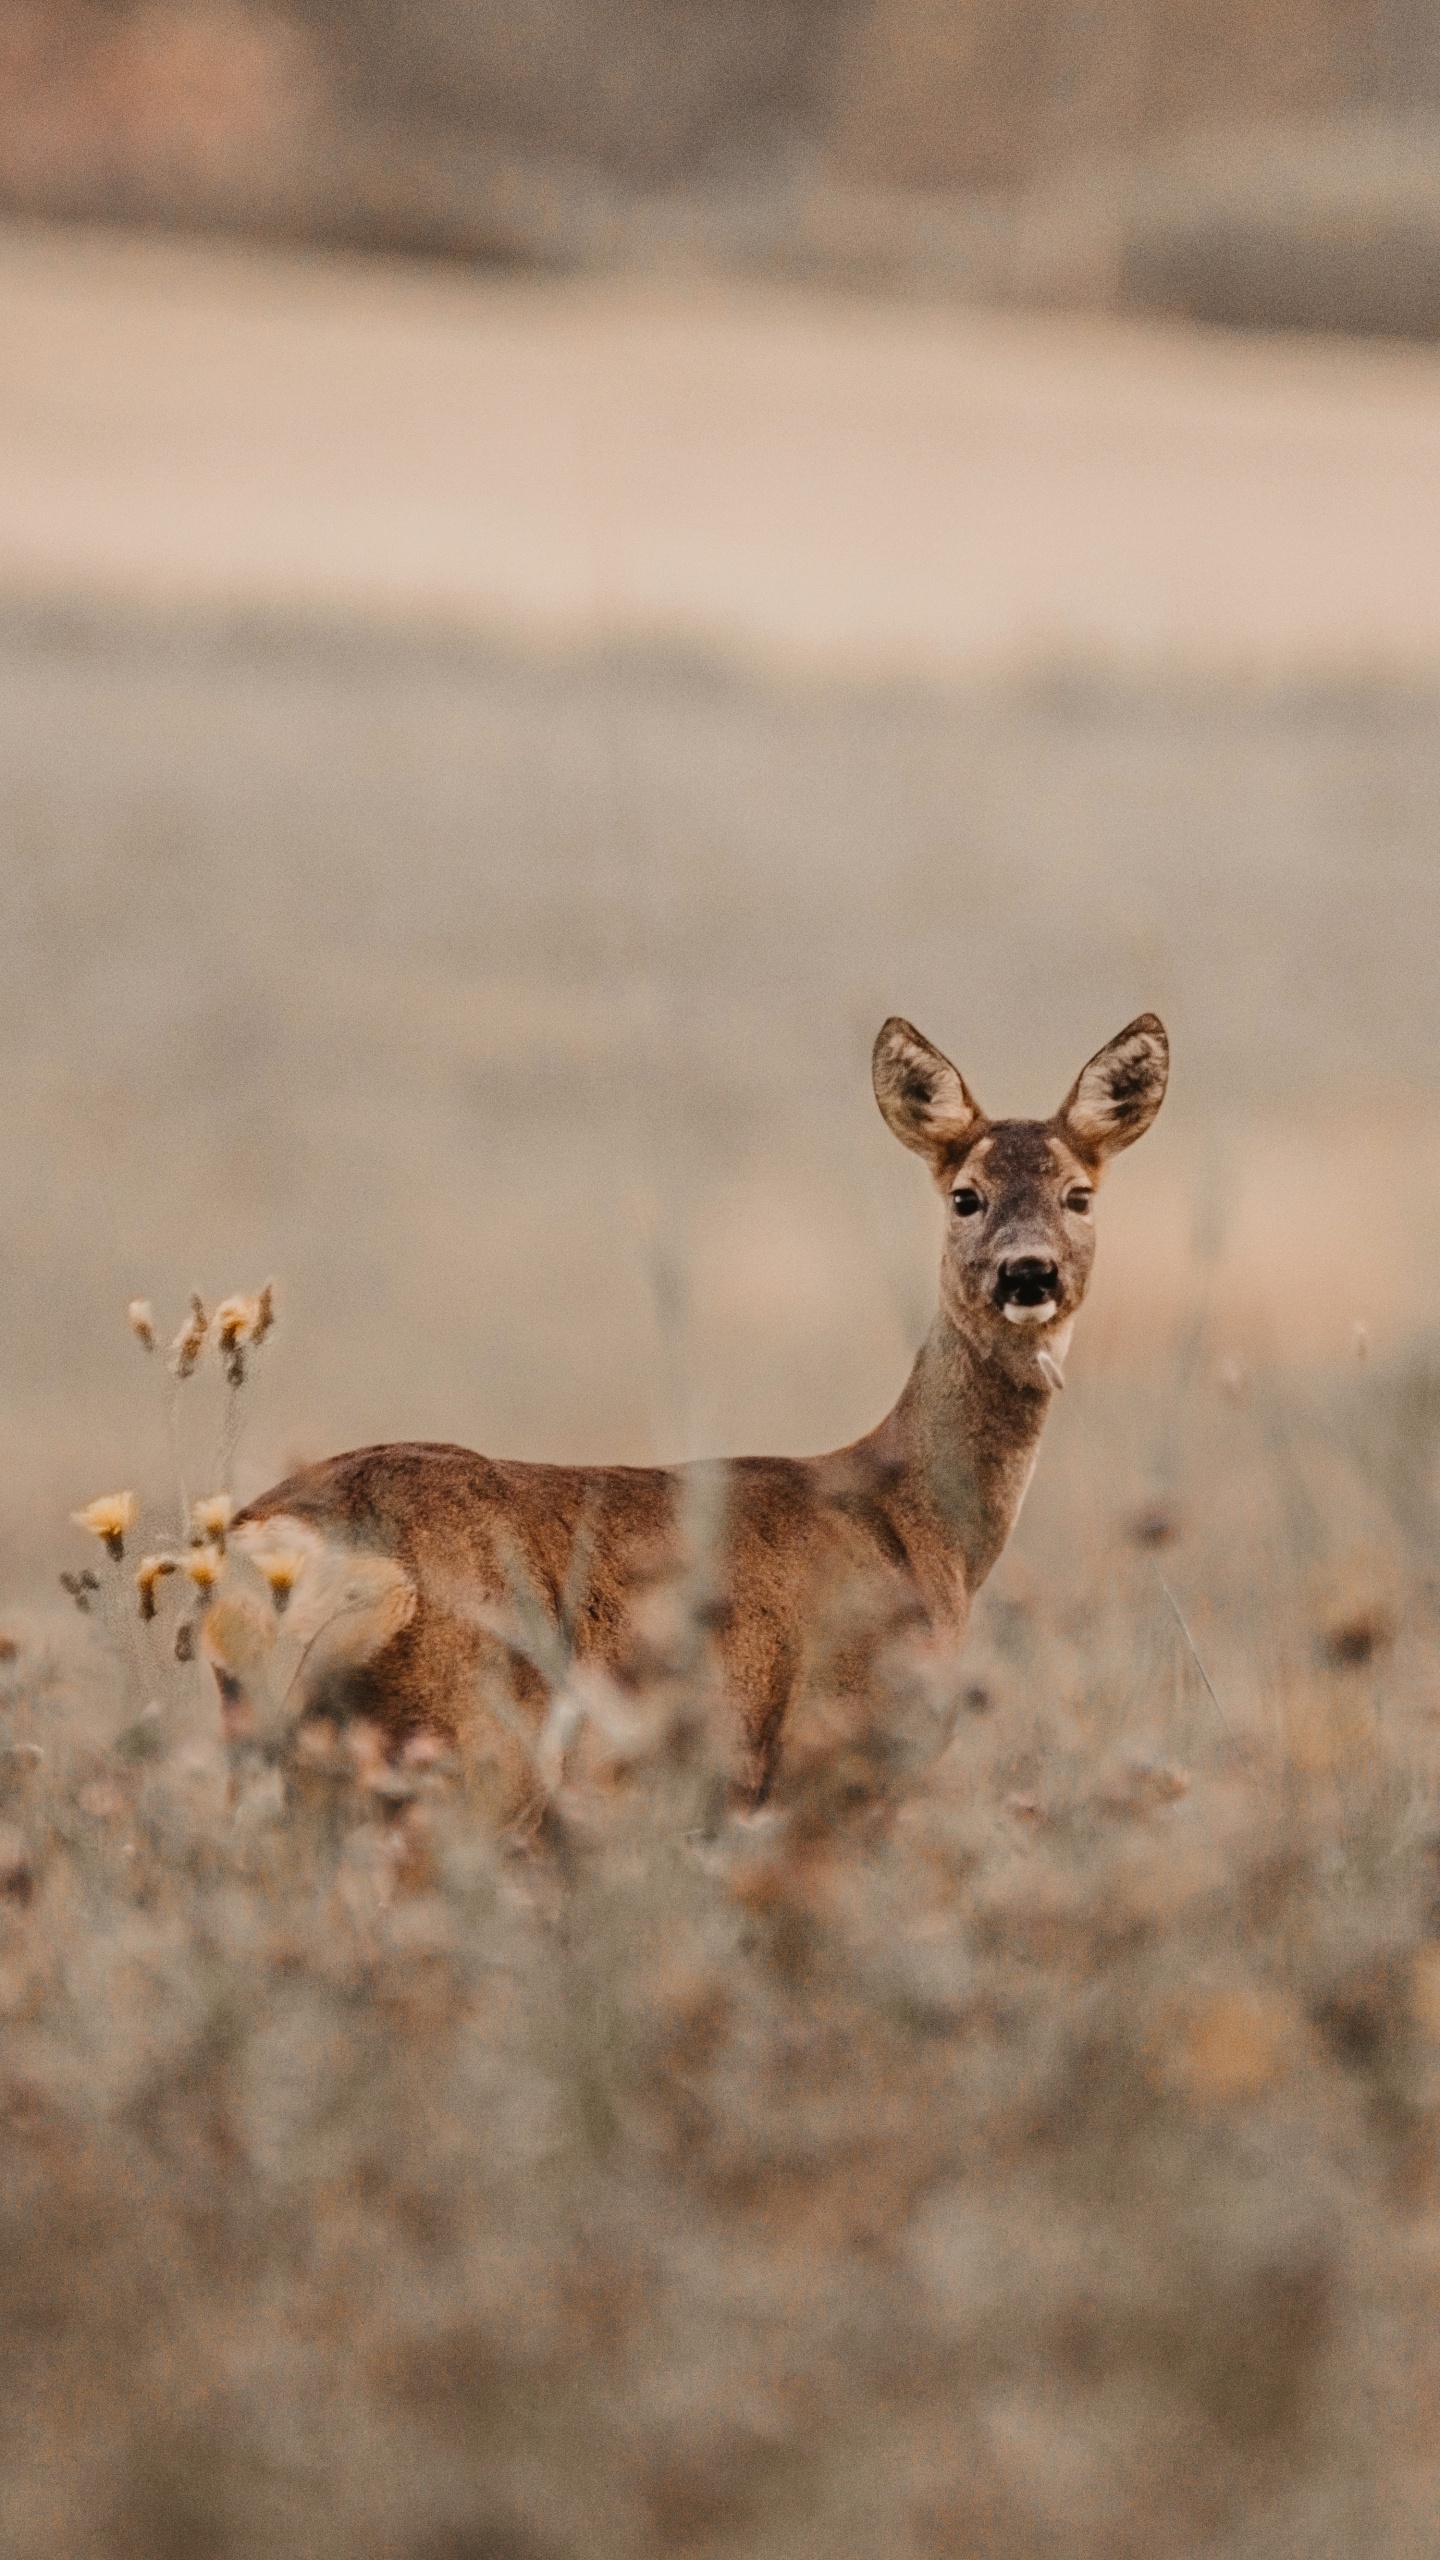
(1218, 158)
(559, 560)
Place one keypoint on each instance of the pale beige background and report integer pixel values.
(805, 482)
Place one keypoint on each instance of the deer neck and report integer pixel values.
(960, 1449)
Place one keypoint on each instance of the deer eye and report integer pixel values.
(1079, 1202)
(967, 1203)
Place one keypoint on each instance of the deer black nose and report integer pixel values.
(1027, 1281)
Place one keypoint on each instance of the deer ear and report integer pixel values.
(923, 1098)
(1114, 1099)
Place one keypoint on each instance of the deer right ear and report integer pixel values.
(923, 1098)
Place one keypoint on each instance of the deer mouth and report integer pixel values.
(1028, 1290)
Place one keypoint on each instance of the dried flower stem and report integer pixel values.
(1225, 1725)
(231, 1424)
(177, 1456)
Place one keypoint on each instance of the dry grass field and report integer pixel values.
(1021, 2138)
(517, 1018)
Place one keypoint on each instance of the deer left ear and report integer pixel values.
(1114, 1099)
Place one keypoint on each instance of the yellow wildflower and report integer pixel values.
(281, 1568)
(108, 1518)
(205, 1566)
(152, 1570)
(212, 1516)
(189, 1342)
(242, 1321)
(236, 1319)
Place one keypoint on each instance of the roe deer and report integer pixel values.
(410, 1555)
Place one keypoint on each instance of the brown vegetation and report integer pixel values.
(1021, 2138)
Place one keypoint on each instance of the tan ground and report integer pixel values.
(477, 762)
(823, 483)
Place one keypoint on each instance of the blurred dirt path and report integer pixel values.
(846, 486)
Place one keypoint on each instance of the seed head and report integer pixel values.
(241, 1325)
(108, 1518)
(189, 1342)
(140, 1316)
(152, 1569)
(238, 1322)
(205, 1566)
(211, 1516)
(281, 1568)
(237, 1319)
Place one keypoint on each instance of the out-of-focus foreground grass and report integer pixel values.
(1020, 2138)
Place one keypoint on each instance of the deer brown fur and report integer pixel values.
(425, 1549)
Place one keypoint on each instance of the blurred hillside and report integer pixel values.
(1275, 164)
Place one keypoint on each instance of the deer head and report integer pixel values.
(1020, 1235)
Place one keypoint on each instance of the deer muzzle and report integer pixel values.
(1027, 1289)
